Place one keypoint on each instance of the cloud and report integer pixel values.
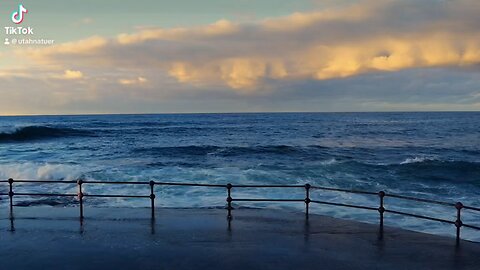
(373, 55)
(135, 81)
(367, 37)
(72, 75)
(61, 53)
(412, 89)
(219, 28)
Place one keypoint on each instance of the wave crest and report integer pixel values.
(40, 171)
(417, 160)
(29, 133)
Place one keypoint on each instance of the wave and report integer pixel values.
(442, 164)
(426, 161)
(423, 163)
(417, 160)
(41, 171)
(193, 150)
(331, 161)
(29, 133)
(448, 171)
(137, 124)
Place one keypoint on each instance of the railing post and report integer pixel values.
(10, 194)
(229, 201)
(80, 197)
(458, 222)
(152, 198)
(307, 198)
(381, 209)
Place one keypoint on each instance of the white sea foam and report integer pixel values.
(417, 160)
(329, 161)
(40, 171)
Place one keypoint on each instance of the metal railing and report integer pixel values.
(229, 199)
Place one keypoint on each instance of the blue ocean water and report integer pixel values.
(427, 155)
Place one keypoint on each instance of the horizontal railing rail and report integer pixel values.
(306, 200)
(345, 205)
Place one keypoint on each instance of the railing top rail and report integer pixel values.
(116, 182)
(112, 182)
(266, 200)
(471, 208)
(268, 186)
(42, 181)
(189, 184)
(45, 194)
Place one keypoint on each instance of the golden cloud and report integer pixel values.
(83, 47)
(135, 81)
(374, 36)
(72, 74)
(221, 27)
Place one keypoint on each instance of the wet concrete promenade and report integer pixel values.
(126, 238)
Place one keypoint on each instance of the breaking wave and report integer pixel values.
(429, 162)
(417, 160)
(41, 171)
(41, 132)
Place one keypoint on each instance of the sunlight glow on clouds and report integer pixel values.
(72, 74)
(219, 28)
(265, 56)
(135, 81)
(318, 45)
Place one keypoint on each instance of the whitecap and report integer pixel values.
(329, 161)
(40, 171)
(417, 160)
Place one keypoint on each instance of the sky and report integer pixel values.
(187, 56)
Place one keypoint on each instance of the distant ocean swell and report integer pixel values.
(41, 132)
(313, 151)
(194, 150)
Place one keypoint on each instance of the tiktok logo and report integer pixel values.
(17, 16)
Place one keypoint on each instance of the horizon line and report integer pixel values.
(253, 112)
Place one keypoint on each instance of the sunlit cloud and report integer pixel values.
(368, 37)
(72, 74)
(60, 53)
(262, 59)
(134, 81)
(219, 28)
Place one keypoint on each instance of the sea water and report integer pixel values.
(427, 155)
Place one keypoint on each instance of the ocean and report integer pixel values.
(434, 155)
